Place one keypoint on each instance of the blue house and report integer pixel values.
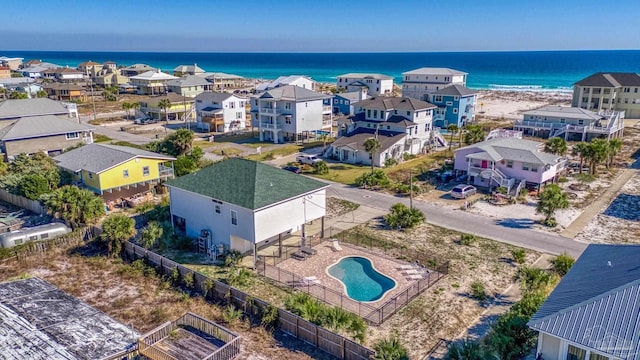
(456, 105)
(343, 102)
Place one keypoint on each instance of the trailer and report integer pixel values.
(36, 233)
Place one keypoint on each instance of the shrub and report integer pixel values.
(563, 179)
(403, 217)
(502, 190)
(33, 186)
(519, 255)
(467, 239)
(390, 349)
(561, 264)
(406, 189)
(269, 156)
(533, 279)
(151, 234)
(230, 315)
(270, 317)
(550, 222)
(407, 156)
(390, 162)
(376, 178)
(239, 277)
(478, 291)
(466, 350)
(189, 280)
(320, 168)
(232, 258)
(117, 229)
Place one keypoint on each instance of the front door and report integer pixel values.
(485, 164)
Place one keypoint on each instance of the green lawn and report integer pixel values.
(98, 138)
(228, 151)
(343, 173)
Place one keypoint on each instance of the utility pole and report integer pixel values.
(93, 100)
(410, 189)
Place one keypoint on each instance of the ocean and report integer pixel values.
(525, 70)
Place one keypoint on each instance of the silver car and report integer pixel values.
(463, 191)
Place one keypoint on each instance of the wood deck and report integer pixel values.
(188, 344)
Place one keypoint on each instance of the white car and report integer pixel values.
(463, 191)
(308, 159)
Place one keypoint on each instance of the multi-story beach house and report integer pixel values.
(224, 82)
(90, 68)
(456, 105)
(181, 107)
(5, 72)
(304, 82)
(184, 70)
(571, 123)
(137, 69)
(344, 103)
(290, 113)
(609, 91)
(65, 92)
(151, 82)
(189, 85)
(220, 112)
(508, 162)
(376, 84)
(38, 70)
(66, 75)
(12, 62)
(420, 83)
(401, 125)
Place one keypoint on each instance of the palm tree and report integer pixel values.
(126, 106)
(580, 149)
(474, 134)
(3, 93)
(181, 141)
(135, 106)
(165, 105)
(117, 229)
(390, 349)
(598, 152)
(551, 199)
(41, 94)
(556, 146)
(615, 145)
(452, 129)
(372, 145)
(76, 206)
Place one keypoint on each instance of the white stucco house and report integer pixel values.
(419, 83)
(302, 81)
(244, 204)
(220, 112)
(401, 125)
(594, 312)
(289, 113)
(376, 84)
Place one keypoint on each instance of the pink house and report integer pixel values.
(508, 162)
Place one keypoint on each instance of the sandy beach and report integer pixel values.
(492, 104)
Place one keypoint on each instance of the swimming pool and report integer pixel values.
(361, 280)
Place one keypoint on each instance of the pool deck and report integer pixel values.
(316, 265)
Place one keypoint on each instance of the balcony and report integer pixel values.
(165, 171)
(326, 108)
(271, 111)
(266, 125)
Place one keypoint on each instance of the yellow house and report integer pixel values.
(179, 105)
(116, 172)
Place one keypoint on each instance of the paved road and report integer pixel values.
(466, 222)
(113, 133)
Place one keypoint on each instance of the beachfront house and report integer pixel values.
(66, 75)
(90, 68)
(401, 125)
(609, 91)
(151, 82)
(420, 83)
(50, 134)
(344, 103)
(456, 105)
(242, 204)
(220, 112)
(290, 113)
(189, 85)
(14, 109)
(65, 92)
(137, 69)
(304, 82)
(38, 70)
(594, 312)
(115, 172)
(224, 82)
(20, 84)
(508, 162)
(180, 108)
(12, 62)
(571, 123)
(376, 84)
(184, 70)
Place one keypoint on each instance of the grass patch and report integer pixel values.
(98, 138)
(343, 173)
(227, 151)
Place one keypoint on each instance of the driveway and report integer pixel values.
(113, 133)
(465, 222)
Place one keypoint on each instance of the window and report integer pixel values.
(575, 353)
(232, 104)
(19, 241)
(594, 356)
(368, 113)
(585, 99)
(125, 173)
(534, 168)
(34, 237)
(375, 114)
(218, 209)
(90, 175)
(406, 78)
(525, 166)
(408, 113)
(72, 135)
(456, 98)
(388, 127)
(145, 171)
(449, 103)
(437, 98)
(455, 111)
(234, 217)
(287, 105)
(580, 122)
(287, 120)
(44, 236)
(239, 115)
(426, 127)
(510, 164)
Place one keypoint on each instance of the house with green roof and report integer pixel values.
(242, 204)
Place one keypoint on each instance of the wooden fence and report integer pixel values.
(23, 202)
(212, 289)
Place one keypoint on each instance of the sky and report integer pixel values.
(320, 25)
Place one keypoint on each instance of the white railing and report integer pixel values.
(327, 108)
(265, 125)
(534, 124)
(273, 111)
(504, 133)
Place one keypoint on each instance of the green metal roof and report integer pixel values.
(246, 183)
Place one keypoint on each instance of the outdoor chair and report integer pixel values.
(307, 250)
(310, 280)
(335, 245)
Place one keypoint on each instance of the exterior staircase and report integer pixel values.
(498, 177)
(189, 113)
(437, 139)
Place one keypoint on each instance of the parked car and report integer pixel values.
(463, 191)
(293, 169)
(308, 159)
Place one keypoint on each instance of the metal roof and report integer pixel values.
(31, 107)
(455, 90)
(597, 303)
(153, 76)
(514, 149)
(189, 80)
(355, 139)
(434, 71)
(40, 126)
(282, 81)
(395, 103)
(97, 158)
(293, 93)
(365, 76)
(564, 112)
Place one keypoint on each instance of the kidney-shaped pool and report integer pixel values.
(361, 280)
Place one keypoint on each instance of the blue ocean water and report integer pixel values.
(534, 70)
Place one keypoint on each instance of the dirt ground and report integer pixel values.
(446, 309)
(130, 297)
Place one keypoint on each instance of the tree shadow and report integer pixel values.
(516, 223)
